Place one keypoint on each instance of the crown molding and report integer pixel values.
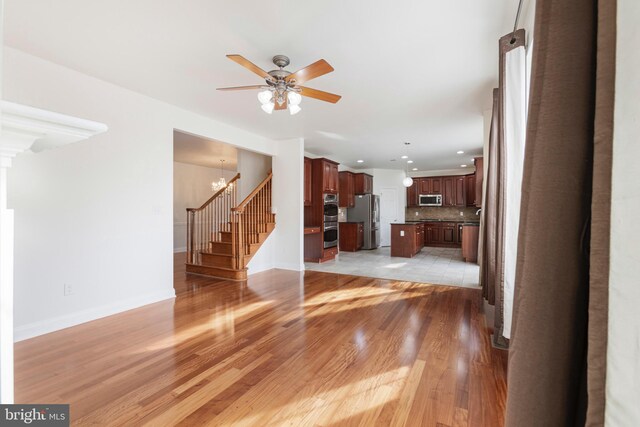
(26, 128)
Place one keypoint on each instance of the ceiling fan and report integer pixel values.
(282, 89)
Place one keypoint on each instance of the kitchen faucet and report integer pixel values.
(478, 211)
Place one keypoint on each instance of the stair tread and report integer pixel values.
(221, 268)
(215, 253)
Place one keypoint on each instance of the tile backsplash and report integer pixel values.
(447, 213)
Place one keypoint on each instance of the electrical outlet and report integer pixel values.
(68, 289)
(461, 213)
(401, 233)
(417, 213)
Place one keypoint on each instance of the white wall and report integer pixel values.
(191, 188)
(288, 202)
(253, 168)
(623, 345)
(99, 214)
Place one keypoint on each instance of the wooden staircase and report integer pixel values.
(222, 237)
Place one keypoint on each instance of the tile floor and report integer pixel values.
(442, 266)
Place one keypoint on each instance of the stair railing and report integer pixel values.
(205, 223)
(249, 218)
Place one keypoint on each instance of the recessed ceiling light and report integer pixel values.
(463, 166)
(404, 157)
(409, 161)
(460, 152)
(414, 169)
(360, 161)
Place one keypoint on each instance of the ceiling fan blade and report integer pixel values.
(284, 105)
(319, 94)
(241, 87)
(317, 69)
(249, 66)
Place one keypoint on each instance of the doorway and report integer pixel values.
(388, 213)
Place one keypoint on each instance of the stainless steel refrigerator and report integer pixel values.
(367, 210)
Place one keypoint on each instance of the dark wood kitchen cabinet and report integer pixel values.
(404, 240)
(307, 181)
(470, 187)
(347, 193)
(363, 183)
(419, 237)
(433, 234)
(424, 186)
(448, 189)
(326, 172)
(324, 179)
(351, 236)
(412, 194)
(443, 234)
(470, 243)
(430, 185)
(453, 192)
(460, 193)
(449, 231)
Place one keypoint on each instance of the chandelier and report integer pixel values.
(280, 95)
(221, 183)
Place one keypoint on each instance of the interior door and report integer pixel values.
(388, 213)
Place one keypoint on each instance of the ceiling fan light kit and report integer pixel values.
(283, 90)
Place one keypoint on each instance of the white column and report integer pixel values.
(6, 288)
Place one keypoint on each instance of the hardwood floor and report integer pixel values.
(284, 348)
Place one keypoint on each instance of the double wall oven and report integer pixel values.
(330, 221)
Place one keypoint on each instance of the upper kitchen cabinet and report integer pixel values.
(470, 186)
(460, 197)
(326, 172)
(412, 193)
(363, 183)
(307, 181)
(448, 193)
(424, 185)
(479, 178)
(347, 189)
(453, 191)
(430, 185)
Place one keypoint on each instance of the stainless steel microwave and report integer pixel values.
(430, 200)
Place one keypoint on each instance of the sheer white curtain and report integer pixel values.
(515, 117)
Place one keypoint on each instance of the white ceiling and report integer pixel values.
(200, 151)
(410, 70)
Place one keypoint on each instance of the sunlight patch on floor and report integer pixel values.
(329, 406)
(219, 322)
(396, 265)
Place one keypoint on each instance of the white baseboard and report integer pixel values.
(253, 270)
(35, 329)
(176, 250)
(290, 266)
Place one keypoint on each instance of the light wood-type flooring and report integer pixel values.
(284, 348)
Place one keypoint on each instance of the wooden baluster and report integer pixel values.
(189, 236)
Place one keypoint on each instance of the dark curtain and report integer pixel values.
(490, 208)
(558, 343)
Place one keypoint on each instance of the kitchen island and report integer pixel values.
(407, 239)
